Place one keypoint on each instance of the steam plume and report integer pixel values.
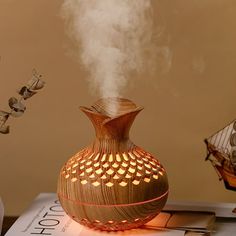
(114, 38)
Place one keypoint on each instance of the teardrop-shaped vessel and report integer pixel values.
(112, 184)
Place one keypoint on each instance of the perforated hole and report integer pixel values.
(92, 176)
(75, 165)
(116, 177)
(126, 158)
(124, 164)
(128, 176)
(109, 184)
(118, 158)
(99, 171)
(155, 176)
(111, 158)
(121, 171)
(123, 184)
(103, 157)
(89, 170)
(136, 182)
(73, 179)
(84, 181)
(147, 180)
(110, 172)
(132, 156)
(88, 163)
(96, 183)
(132, 167)
(115, 165)
(131, 170)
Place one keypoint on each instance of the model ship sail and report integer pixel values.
(222, 153)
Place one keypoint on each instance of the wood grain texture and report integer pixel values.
(112, 184)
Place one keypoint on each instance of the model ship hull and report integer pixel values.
(221, 152)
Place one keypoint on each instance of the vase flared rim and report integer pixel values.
(103, 108)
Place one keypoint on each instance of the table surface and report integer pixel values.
(8, 221)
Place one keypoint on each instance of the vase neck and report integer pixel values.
(116, 128)
(112, 128)
(112, 146)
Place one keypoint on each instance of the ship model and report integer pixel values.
(221, 152)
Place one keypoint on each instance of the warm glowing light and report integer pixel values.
(131, 170)
(109, 184)
(116, 177)
(118, 157)
(67, 176)
(89, 163)
(138, 174)
(125, 156)
(103, 177)
(123, 184)
(73, 171)
(91, 155)
(133, 163)
(82, 174)
(96, 158)
(89, 170)
(148, 166)
(103, 157)
(92, 176)
(75, 165)
(124, 164)
(140, 161)
(105, 165)
(84, 182)
(121, 171)
(160, 173)
(73, 179)
(155, 176)
(81, 167)
(128, 176)
(124, 221)
(96, 164)
(110, 221)
(110, 172)
(140, 167)
(147, 180)
(96, 183)
(136, 153)
(132, 156)
(99, 171)
(136, 182)
(110, 158)
(115, 165)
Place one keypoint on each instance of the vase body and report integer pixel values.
(112, 184)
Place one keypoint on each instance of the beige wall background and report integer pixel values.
(183, 105)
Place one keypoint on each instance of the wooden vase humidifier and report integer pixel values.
(112, 184)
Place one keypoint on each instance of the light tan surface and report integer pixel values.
(192, 100)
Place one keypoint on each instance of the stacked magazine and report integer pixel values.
(45, 216)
